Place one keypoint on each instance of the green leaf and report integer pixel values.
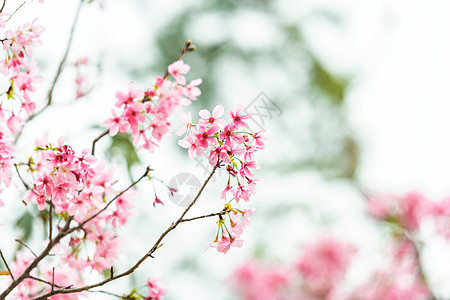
(121, 147)
(25, 223)
(332, 86)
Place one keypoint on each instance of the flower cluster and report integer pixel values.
(408, 211)
(17, 66)
(323, 266)
(254, 281)
(155, 290)
(76, 186)
(228, 236)
(317, 274)
(145, 113)
(320, 272)
(401, 281)
(20, 72)
(231, 146)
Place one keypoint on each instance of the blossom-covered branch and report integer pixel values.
(140, 261)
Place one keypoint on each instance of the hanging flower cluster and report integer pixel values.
(229, 145)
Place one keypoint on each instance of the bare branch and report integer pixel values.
(49, 283)
(20, 177)
(50, 221)
(188, 47)
(221, 213)
(26, 246)
(6, 265)
(97, 139)
(3, 6)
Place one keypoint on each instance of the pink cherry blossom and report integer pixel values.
(177, 70)
(238, 117)
(208, 119)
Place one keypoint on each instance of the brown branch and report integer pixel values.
(20, 176)
(17, 9)
(36, 261)
(418, 257)
(49, 283)
(188, 47)
(26, 246)
(50, 221)
(58, 71)
(140, 261)
(97, 139)
(63, 60)
(53, 279)
(6, 265)
(3, 6)
(221, 213)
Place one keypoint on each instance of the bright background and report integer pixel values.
(375, 118)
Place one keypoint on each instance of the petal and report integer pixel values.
(218, 111)
(205, 114)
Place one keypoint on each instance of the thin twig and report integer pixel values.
(107, 293)
(63, 60)
(418, 258)
(58, 71)
(221, 213)
(49, 283)
(36, 261)
(188, 47)
(20, 177)
(53, 279)
(26, 246)
(6, 264)
(15, 11)
(50, 221)
(140, 261)
(3, 6)
(97, 139)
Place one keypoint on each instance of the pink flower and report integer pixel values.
(191, 90)
(228, 134)
(177, 70)
(225, 243)
(238, 117)
(255, 281)
(15, 124)
(126, 99)
(191, 143)
(205, 136)
(155, 290)
(324, 264)
(187, 120)
(208, 119)
(157, 201)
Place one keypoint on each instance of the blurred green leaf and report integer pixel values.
(121, 147)
(25, 223)
(332, 86)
